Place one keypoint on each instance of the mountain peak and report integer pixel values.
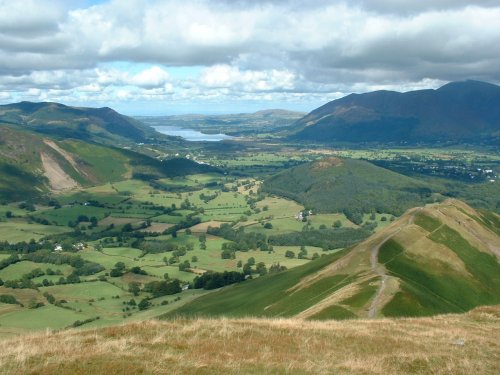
(469, 85)
(466, 111)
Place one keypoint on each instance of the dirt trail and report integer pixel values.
(379, 269)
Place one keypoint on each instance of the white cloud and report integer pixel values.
(150, 78)
(226, 76)
(248, 49)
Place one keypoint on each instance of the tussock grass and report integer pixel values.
(447, 344)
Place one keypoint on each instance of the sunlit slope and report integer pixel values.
(446, 344)
(441, 258)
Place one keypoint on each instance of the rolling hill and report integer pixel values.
(350, 186)
(442, 258)
(457, 112)
(102, 125)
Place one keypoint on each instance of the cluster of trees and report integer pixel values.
(207, 198)
(188, 222)
(329, 238)
(163, 287)
(184, 266)
(8, 298)
(241, 241)
(24, 247)
(4, 263)
(79, 323)
(214, 280)
(82, 267)
(26, 280)
(154, 246)
(276, 267)
(118, 270)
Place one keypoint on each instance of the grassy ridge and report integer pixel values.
(484, 267)
(432, 288)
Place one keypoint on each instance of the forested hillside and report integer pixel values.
(350, 186)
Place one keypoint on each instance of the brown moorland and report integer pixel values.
(445, 344)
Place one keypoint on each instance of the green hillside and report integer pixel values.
(350, 186)
(268, 295)
(418, 266)
(102, 125)
(439, 286)
(32, 165)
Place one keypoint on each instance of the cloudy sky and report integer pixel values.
(215, 56)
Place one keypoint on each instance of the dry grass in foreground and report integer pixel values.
(448, 344)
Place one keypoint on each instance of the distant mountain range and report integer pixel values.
(267, 121)
(457, 112)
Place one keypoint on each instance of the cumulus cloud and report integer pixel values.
(246, 49)
(226, 76)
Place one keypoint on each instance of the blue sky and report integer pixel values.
(221, 56)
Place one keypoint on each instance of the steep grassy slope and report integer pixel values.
(460, 111)
(351, 186)
(447, 344)
(103, 125)
(268, 296)
(441, 258)
(32, 165)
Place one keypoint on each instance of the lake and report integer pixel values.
(190, 134)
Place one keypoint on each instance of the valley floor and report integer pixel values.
(446, 344)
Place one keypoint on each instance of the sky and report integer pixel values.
(147, 57)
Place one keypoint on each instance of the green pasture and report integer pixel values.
(83, 291)
(13, 208)
(63, 215)
(18, 231)
(381, 224)
(277, 208)
(17, 270)
(48, 316)
(283, 225)
(109, 260)
(169, 219)
(4, 256)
